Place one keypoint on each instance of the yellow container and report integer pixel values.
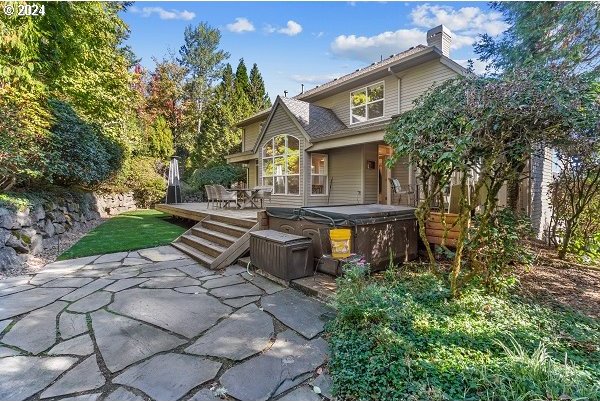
(340, 242)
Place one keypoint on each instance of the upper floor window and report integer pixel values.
(366, 103)
(281, 164)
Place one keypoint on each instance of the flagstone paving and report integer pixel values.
(155, 325)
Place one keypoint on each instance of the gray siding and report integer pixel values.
(281, 124)
(541, 178)
(340, 103)
(346, 169)
(418, 80)
(251, 133)
(252, 178)
(371, 177)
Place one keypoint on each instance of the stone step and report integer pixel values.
(202, 245)
(225, 228)
(214, 236)
(202, 258)
(243, 261)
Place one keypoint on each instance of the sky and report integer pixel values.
(309, 43)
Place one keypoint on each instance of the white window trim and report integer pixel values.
(320, 175)
(262, 164)
(367, 103)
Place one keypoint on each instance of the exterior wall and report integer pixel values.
(281, 124)
(252, 178)
(251, 133)
(340, 103)
(346, 169)
(419, 79)
(371, 176)
(541, 178)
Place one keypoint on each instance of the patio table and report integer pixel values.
(245, 197)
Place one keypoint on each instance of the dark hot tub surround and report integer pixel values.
(377, 230)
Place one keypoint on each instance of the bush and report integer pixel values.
(495, 249)
(225, 175)
(408, 339)
(79, 152)
(144, 177)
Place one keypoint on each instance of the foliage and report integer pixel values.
(160, 139)
(257, 94)
(494, 250)
(126, 232)
(407, 339)
(142, 177)
(585, 243)
(79, 151)
(225, 175)
(548, 34)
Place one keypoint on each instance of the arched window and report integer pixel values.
(281, 164)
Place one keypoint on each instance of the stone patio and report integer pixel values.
(155, 325)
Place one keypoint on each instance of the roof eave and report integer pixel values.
(260, 116)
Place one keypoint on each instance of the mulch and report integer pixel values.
(563, 284)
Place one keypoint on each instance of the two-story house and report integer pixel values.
(325, 146)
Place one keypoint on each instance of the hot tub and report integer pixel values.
(378, 231)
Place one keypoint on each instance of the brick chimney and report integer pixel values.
(440, 37)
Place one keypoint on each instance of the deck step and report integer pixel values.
(204, 246)
(214, 236)
(201, 257)
(225, 228)
(234, 221)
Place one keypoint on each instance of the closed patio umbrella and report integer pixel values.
(174, 188)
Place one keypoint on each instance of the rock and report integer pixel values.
(84, 397)
(123, 341)
(222, 282)
(162, 254)
(305, 315)
(73, 282)
(196, 270)
(23, 376)
(73, 207)
(169, 377)
(164, 273)
(81, 346)
(239, 302)
(4, 324)
(22, 302)
(129, 261)
(185, 314)
(4, 235)
(48, 230)
(7, 218)
(124, 272)
(282, 367)
(58, 228)
(124, 284)
(268, 286)
(206, 395)
(302, 393)
(83, 377)
(169, 282)
(36, 332)
(122, 394)
(5, 351)
(87, 289)
(23, 219)
(169, 264)
(38, 213)
(15, 289)
(71, 325)
(91, 303)
(17, 244)
(36, 246)
(111, 257)
(324, 382)
(234, 269)
(246, 332)
(235, 291)
(193, 289)
(8, 258)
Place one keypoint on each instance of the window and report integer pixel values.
(366, 103)
(318, 174)
(281, 165)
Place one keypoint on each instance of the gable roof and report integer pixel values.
(316, 121)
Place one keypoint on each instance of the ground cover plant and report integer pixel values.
(404, 337)
(127, 232)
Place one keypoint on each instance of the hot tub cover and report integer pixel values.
(345, 215)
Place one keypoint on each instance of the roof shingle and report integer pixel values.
(317, 121)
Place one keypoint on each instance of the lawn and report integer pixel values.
(402, 337)
(126, 232)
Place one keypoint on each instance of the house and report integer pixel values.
(325, 146)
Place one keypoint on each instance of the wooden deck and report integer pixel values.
(199, 211)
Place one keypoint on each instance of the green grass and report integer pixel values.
(126, 232)
(402, 337)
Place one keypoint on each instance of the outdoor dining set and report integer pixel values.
(241, 198)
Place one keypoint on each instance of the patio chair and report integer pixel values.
(224, 196)
(211, 195)
(264, 193)
(398, 190)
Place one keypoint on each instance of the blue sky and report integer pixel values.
(308, 42)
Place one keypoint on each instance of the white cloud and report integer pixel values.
(371, 48)
(164, 14)
(314, 79)
(318, 34)
(292, 28)
(469, 21)
(241, 25)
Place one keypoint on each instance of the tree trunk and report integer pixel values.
(562, 251)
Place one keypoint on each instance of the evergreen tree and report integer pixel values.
(160, 139)
(258, 96)
(226, 86)
(241, 77)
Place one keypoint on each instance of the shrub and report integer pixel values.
(225, 175)
(142, 176)
(408, 339)
(79, 152)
